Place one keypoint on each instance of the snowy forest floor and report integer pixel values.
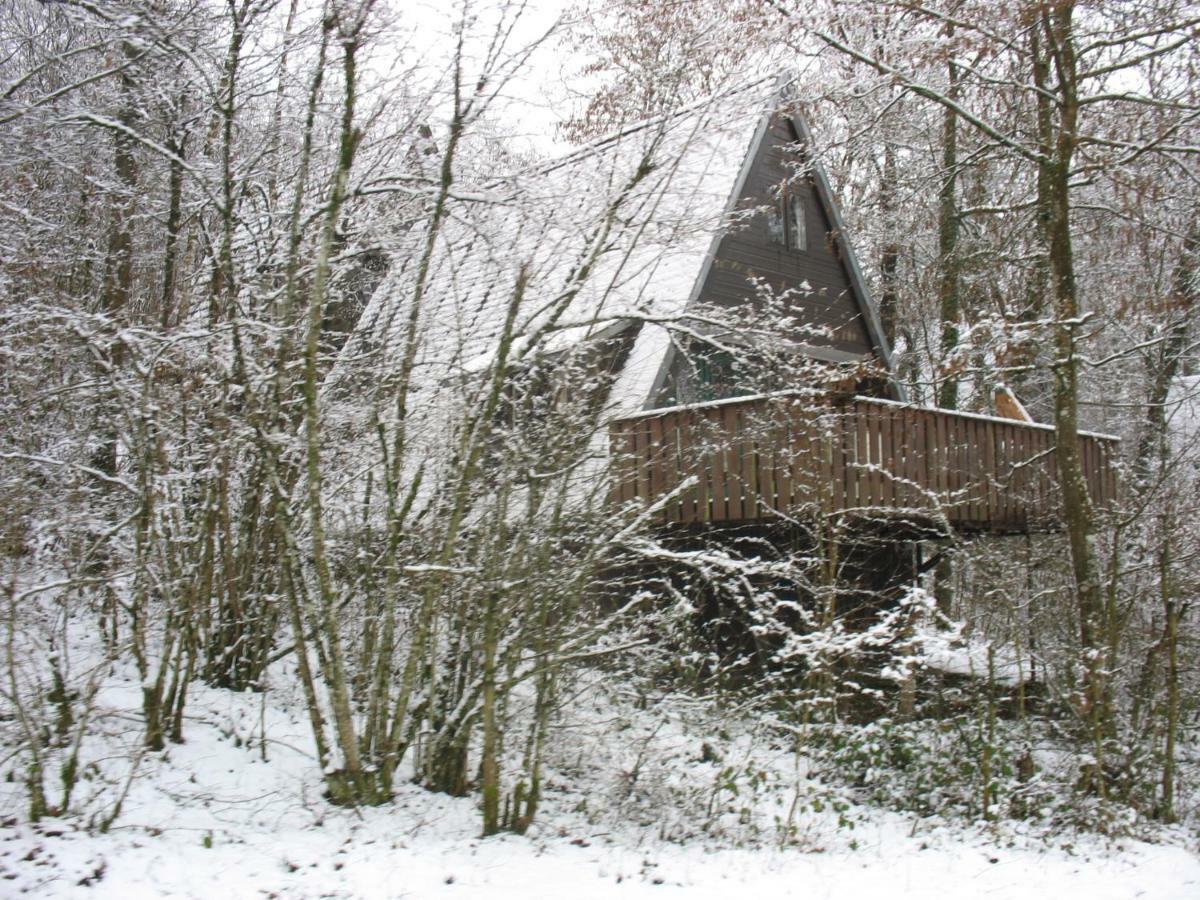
(642, 799)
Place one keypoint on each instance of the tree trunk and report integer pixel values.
(490, 764)
(1166, 805)
(948, 292)
(1168, 359)
(889, 259)
(948, 300)
(1079, 517)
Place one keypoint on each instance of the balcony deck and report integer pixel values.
(767, 458)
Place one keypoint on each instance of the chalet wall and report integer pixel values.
(750, 252)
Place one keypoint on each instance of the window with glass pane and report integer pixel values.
(775, 230)
(797, 233)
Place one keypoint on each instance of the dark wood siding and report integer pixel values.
(749, 252)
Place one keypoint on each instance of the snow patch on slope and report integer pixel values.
(645, 797)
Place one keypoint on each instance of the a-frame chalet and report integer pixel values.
(672, 241)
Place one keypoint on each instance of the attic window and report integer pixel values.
(775, 229)
(797, 235)
(785, 220)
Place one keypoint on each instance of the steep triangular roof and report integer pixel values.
(623, 225)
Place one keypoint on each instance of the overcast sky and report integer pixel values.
(539, 96)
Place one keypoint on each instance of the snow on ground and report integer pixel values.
(383, 856)
(954, 654)
(216, 820)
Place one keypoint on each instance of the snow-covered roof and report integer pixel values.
(618, 229)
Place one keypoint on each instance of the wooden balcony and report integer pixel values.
(764, 458)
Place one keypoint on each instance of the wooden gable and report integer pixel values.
(831, 302)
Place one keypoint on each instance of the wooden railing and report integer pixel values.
(757, 458)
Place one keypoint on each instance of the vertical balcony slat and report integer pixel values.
(720, 480)
(752, 488)
(784, 449)
(887, 457)
(987, 438)
(672, 467)
(733, 463)
(864, 437)
(655, 457)
(836, 436)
